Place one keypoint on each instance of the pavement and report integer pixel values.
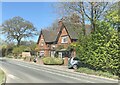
(19, 71)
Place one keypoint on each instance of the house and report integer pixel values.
(56, 42)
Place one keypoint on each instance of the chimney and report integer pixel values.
(60, 23)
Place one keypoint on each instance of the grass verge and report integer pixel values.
(98, 73)
(2, 77)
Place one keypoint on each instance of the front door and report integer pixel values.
(60, 54)
(52, 53)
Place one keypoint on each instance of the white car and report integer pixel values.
(73, 62)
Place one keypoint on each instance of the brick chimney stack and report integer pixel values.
(60, 23)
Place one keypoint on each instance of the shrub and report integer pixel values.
(100, 50)
(32, 58)
(52, 61)
(27, 58)
(18, 50)
(10, 56)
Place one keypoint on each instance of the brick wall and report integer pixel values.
(43, 46)
(63, 33)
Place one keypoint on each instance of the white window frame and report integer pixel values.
(42, 42)
(60, 54)
(42, 53)
(63, 39)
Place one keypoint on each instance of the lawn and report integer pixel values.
(2, 76)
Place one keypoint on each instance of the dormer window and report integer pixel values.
(64, 39)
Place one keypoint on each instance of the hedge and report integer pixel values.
(100, 50)
(52, 61)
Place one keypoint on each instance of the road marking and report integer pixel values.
(8, 75)
(85, 75)
(11, 76)
(57, 74)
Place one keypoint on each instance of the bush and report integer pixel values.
(100, 50)
(27, 58)
(52, 61)
(32, 58)
(10, 56)
(18, 50)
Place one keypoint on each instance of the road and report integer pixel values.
(24, 72)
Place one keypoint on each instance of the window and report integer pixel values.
(64, 39)
(41, 53)
(53, 46)
(42, 42)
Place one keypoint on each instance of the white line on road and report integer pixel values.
(57, 74)
(82, 74)
(11, 76)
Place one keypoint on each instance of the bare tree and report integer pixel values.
(87, 11)
(17, 28)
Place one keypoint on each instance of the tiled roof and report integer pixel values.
(49, 36)
(72, 29)
(75, 29)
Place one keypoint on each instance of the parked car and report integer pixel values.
(73, 62)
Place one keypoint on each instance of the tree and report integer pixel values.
(100, 50)
(26, 46)
(113, 16)
(71, 20)
(18, 50)
(17, 28)
(7, 49)
(87, 11)
(30, 46)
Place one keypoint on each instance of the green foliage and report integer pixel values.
(2, 77)
(27, 49)
(100, 50)
(27, 46)
(19, 50)
(112, 15)
(52, 61)
(60, 47)
(30, 46)
(17, 28)
(93, 72)
(7, 49)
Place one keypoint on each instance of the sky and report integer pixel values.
(41, 14)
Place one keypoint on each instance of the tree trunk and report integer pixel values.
(83, 25)
(18, 42)
(83, 20)
(92, 16)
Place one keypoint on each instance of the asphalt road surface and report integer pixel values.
(24, 72)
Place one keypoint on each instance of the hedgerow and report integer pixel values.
(100, 50)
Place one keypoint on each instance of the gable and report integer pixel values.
(63, 33)
(41, 41)
(73, 30)
(66, 29)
